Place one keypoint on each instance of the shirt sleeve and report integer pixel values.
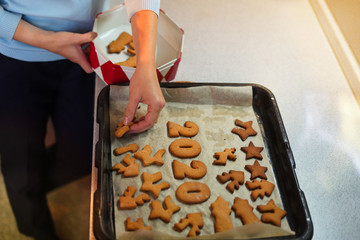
(133, 6)
(8, 23)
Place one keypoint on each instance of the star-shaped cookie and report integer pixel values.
(245, 131)
(256, 170)
(252, 151)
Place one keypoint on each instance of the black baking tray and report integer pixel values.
(280, 154)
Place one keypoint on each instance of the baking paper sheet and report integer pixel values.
(214, 109)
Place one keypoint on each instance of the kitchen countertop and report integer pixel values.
(280, 44)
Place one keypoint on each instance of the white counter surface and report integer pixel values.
(280, 44)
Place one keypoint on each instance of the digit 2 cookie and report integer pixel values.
(181, 170)
(190, 129)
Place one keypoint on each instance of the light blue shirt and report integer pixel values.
(54, 15)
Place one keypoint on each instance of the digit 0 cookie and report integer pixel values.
(185, 148)
(193, 192)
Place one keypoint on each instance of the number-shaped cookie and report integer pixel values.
(190, 129)
(181, 170)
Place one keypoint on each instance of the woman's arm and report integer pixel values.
(144, 84)
(66, 44)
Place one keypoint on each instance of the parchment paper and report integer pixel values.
(214, 109)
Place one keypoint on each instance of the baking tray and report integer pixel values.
(275, 138)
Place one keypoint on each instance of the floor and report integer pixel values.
(69, 206)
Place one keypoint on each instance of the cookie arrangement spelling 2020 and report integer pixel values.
(196, 192)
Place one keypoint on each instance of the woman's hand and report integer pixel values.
(69, 45)
(144, 87)
(66, 44)
(144, 84)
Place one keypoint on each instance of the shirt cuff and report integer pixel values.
(133, 6)
(8, 23)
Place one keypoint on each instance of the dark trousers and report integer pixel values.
(30, 94)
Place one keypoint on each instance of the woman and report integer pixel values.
(45, 73)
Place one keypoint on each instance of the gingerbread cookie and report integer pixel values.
(221, 212)
(245, 131)
(236, 177)
(131, 51)
(181, 170)
(131, 45)
(130, 62)
(252, 151)
(121, 129)
(164, 214)
(190, 129)
(130, 148)
(260, 189)
(222, 157)
(148, 184)
(185, 148)
(271, 213)
(133, 226)
(244, 211)
(119, 44)
(194, 220)
(256, 170)
(131, 170)
(128, 202)
(193, 192)
(144, 156)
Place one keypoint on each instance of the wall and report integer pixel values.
(340, 20)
